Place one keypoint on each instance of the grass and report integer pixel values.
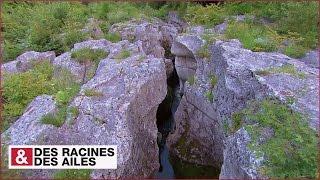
(92, 92)
(73, 174)
(292, 151)
(113, 37)
(41, 26)
(213, 80)
(209, 95)
(288, 69)
(123, 54)
(57, 26)
(87, 54)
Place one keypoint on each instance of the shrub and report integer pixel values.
(20, 89)
(55, 119)
(253, 36)
(209, 15)
(41, 26)
(295, 51)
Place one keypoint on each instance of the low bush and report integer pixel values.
(20, 89)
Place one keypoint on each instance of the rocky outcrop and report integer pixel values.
(185, 48)
(28, 129)
(26, 61)
(311, 59)
(156, 36)
(222, 86)
(236, 154)
(121, 111)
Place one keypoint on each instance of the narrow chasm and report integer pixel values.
(166, 125)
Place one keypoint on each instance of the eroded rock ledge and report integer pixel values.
(222, 86)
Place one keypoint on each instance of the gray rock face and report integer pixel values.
(174, 19)
(185, 49)
(223, 86)
(121, 112)
(28, 129)
(93, 29)
(154, 36)
(237, 154)
(78, 70)
(26, 60)
(311, 59)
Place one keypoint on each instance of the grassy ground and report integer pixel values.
(57, 26)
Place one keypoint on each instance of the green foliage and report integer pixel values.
(237, 121)
(86, 54)
(287, 68)
(41, 26)
(92, 92)
(292, 151)
(209, 15)
(295, 51)
(253, 36)
(56, 119)
(113, 37)
(209, 95)
(191, 80)
(73, 174)
(203, 52)
(123, 54)
(115, 12)
(213, 80)
(286, 18)
(20, 89)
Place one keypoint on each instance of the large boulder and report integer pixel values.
(28, 129)
(116, 107)
(26, 61)
(223, 86)
(185, 49)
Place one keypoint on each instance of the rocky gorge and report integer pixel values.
(154, 93)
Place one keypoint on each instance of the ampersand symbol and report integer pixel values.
(20, 159)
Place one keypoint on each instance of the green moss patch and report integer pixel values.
(292, 151)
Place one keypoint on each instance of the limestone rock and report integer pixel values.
(239, 162)
(122, 112)
(28, 129)
(222, 86)
(311, 59)
(26, 61)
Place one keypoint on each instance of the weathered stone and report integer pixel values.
(28, 129)
(174, 19)
(123, 113)
(239, 162)
(169, 67)
(93, 29)
(185, 49)
(26, 61)
(223, 86)
(311, 59)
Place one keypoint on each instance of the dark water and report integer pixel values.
(172, 167)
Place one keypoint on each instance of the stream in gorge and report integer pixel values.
(170, 165)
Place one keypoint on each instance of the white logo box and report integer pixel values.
(101, 162)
